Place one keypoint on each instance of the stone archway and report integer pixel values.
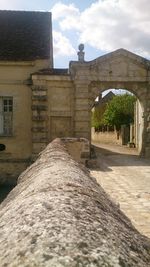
(119, 69)
(95, 88)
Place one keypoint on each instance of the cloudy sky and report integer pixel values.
(102, 25)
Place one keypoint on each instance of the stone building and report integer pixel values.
(25, 47)
(39, 103)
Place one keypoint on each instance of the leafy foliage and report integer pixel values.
(97, 117)
(119, 111)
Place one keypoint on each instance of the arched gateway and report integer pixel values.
(119, 69)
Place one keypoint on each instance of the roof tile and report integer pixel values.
(24, 35)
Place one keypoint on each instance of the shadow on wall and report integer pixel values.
(4, 191)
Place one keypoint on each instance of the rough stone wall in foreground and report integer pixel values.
(59, 216)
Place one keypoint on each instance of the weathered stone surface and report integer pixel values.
(78, 148)
(59, 216)
(119, 69)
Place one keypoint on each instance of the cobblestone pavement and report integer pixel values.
(126, 178)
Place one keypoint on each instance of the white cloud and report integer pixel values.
(61, 10)
(67, 15)
(62, 45)
(109, 24)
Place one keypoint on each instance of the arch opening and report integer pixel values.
(130, 132)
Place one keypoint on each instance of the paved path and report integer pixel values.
(126, 178)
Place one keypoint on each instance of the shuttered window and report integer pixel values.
(6, 114)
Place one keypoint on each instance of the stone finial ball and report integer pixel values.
(81, 47)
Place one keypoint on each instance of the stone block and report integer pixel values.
(83, 134)
(39, 107)
(82, 95)
(39, 112)
(11, 169)
(39, 135)
(39, 129)
(39, 118)
(84, 114)
(40, 140)
(80, 101)
(81, 125)
(39, 98)
(148, 137)
(38, 88)
(38, 147)
(81, 89)
(78, 148)
(39, 93)
(147, 152)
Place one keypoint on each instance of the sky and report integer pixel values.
(101, 25)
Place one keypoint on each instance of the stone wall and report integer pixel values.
(11, 169)
(105, 137)
(78, 148)
(53, 109)
(59, 216)
(118, 69)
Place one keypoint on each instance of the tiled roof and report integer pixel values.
(24, 35)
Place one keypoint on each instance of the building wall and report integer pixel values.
(15, 72)
(138, 125)
(19, 144)
(14, 80)
(105, 137)
(54, 109)
(60, 108)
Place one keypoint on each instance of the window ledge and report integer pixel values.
(2, 135)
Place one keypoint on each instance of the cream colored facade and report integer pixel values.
(15, 82)
(50, 105)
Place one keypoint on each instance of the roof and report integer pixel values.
(25, 35)
(52, 71)
(106, 98)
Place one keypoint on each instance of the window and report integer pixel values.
(6, 111)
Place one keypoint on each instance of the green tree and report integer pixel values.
(119, 111)
(97, 117)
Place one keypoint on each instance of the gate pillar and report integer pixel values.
(82, 122)
(147, 124)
